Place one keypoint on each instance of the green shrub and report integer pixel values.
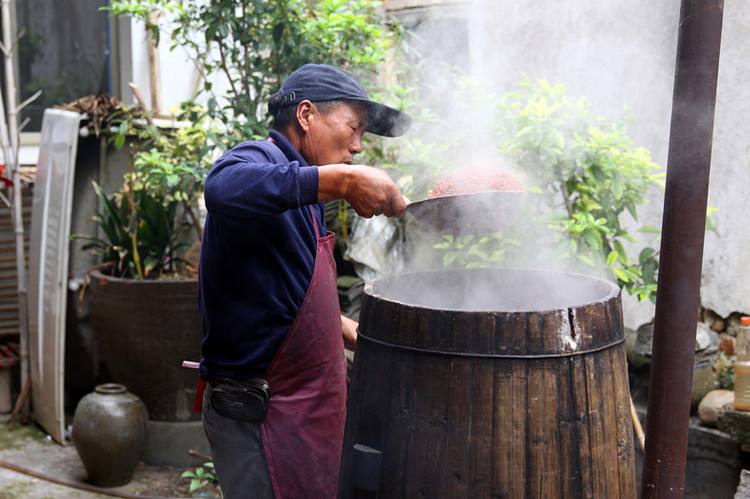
(144, 226)
(590, 173)
(255, 44)
(585, 175)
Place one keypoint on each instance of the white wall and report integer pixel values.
(726, 286)
(177, 72)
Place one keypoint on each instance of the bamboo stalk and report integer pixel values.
(195, 222)
(200, 455)
(139, 98)
(154, 70)
(637, 425)
(21, 401)
(10, 139)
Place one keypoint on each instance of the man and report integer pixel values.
(273, 338)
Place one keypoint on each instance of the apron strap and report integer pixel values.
(315, 223)
(198, 400)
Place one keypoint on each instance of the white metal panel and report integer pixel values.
(48, 267)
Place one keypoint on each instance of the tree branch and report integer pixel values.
(246, 62)
(564, 191)
(194, 220)
(29, 100)
(226, 70)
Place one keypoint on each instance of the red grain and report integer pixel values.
(471, 180)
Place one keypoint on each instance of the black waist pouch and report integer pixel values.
(241, 400)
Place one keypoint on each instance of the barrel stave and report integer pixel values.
(582, 421)
(569, 434)
(625, 443)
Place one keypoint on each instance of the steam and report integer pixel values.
(495, 290)
(589, 46)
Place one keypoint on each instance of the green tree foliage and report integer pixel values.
(143, 227)
(255, 44)
(591, 171)
(585, 175)
(140, 237)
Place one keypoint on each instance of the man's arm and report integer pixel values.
(370, 191)
(246, 183)
(349, 332)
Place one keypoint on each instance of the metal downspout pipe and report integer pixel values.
(683, 230)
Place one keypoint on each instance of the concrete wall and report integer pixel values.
(726, 287)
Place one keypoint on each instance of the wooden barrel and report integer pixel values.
(489, 383)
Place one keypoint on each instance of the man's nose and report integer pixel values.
(356, 146)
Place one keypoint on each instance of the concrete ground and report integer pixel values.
(29, 447)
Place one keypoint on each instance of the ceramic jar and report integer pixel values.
(109, 432)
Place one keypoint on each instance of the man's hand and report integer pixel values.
(370, 191)
(349, 332)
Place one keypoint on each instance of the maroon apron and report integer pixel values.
(304, 429)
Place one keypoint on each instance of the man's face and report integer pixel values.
(334, 135)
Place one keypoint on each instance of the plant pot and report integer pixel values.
(109, 432)
(143, 331)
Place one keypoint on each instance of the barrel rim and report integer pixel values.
(614, 292)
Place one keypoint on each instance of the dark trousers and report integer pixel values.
(237, 452)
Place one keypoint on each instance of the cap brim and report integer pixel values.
(386, 121)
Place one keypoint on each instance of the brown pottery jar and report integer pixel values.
(109, 432)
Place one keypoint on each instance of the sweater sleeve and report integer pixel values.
(248, 181)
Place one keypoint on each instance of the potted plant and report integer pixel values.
(143, 295)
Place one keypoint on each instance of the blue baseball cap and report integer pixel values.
(321, 82)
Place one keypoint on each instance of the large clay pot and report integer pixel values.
(143, 330)
(109, 432)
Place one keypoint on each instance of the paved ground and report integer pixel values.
(28, 447)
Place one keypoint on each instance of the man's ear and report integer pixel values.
(305, 114)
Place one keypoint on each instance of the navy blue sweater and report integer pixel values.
(257, 254)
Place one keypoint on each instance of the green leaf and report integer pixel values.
(646, 254)
(620, 250)
(587, 260)
(195, 484)
(621, 274)
(612, 258)
(650, 229)
(449, 258)
(632, 210)
(593, 239)
(627, 236)
(119, 141)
